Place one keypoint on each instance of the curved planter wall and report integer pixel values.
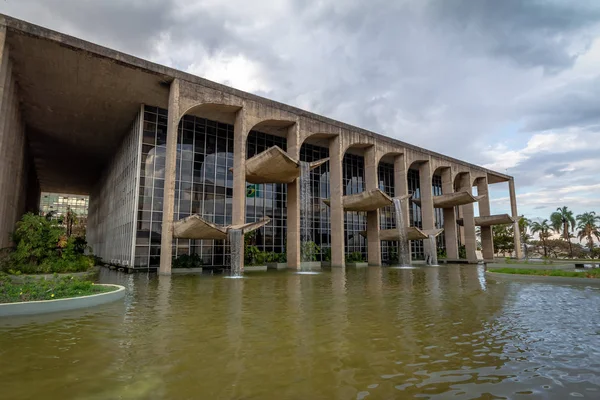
(71, 303)
(542, 279)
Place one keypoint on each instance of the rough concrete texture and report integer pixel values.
(15, 166)
(515, 215)
(487, 237)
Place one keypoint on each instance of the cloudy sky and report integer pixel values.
(513, 85)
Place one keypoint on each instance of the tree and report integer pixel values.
(524, 225)
(503, 238)
(543, 230)
(561, 219)
(588, 228)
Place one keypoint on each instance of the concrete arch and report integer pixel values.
(458, 180)
(224, 113)
(387, 155)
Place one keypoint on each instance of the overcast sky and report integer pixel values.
(512, 85)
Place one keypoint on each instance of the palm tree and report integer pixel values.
(524, 224)
(543, 229)
(561, 219)
(589, 227)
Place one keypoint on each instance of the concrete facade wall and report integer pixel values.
(18, 184)
(113, 202)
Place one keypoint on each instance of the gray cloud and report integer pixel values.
(453, 76)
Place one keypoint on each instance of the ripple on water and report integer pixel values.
(373, 333)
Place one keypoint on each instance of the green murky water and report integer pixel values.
(373, 333)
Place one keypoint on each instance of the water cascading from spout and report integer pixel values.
(432, 256)
(401, 226)
(306, 250)
(236, 241)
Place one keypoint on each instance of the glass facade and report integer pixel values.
(266, 200)
(59, 202)
(355, 223)
(319, 178)
(204, 186)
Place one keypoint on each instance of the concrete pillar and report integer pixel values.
(450, 231)
(240, 133)
(515, 215)
(293, 203)
(468, 216)
(487, 238)
(336, 157)
(401, 186)
(372, 180)
(166, 239)
(426, 189)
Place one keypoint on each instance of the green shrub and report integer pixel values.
(462, 252)
(187, 261)
(43, 247)
(310, 251)
(355, 257)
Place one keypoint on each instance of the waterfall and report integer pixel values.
(306, 211)
(432, 256)
(403, 249)
(236, 241)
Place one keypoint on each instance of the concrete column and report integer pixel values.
(240, 133)
(401, 187)
(336, 157)
(293, 203)
(515, 215)
(166, 239)
(450, 231)
(372, 180)
(487, 238)
(426, 189)
(468, 220)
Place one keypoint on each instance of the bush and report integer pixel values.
(355, 257)
(188, 261)
(42, 247)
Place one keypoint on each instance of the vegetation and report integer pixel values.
(561, 220)
(39, 289)
(593, 273)
(44, 246)
(187, 261)
(503, 239)
(355, 257)
(310, 251)
(588, 225)
(543, 230)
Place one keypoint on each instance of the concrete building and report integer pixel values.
(151, 145)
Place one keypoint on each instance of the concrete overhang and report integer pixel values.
(79, 99)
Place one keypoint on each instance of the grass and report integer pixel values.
(39, 289)
(593, 273)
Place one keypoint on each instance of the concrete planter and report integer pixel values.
(186, 271)
(71, 303)
(310, 265)
(255, 268)
(542, 279)
(277, 266)
(357, 264)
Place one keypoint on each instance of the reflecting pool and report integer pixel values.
(371, 333)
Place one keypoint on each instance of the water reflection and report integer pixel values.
(360, 333)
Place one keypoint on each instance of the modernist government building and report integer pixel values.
(151, 146)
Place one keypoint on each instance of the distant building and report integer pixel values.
(59, 203)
